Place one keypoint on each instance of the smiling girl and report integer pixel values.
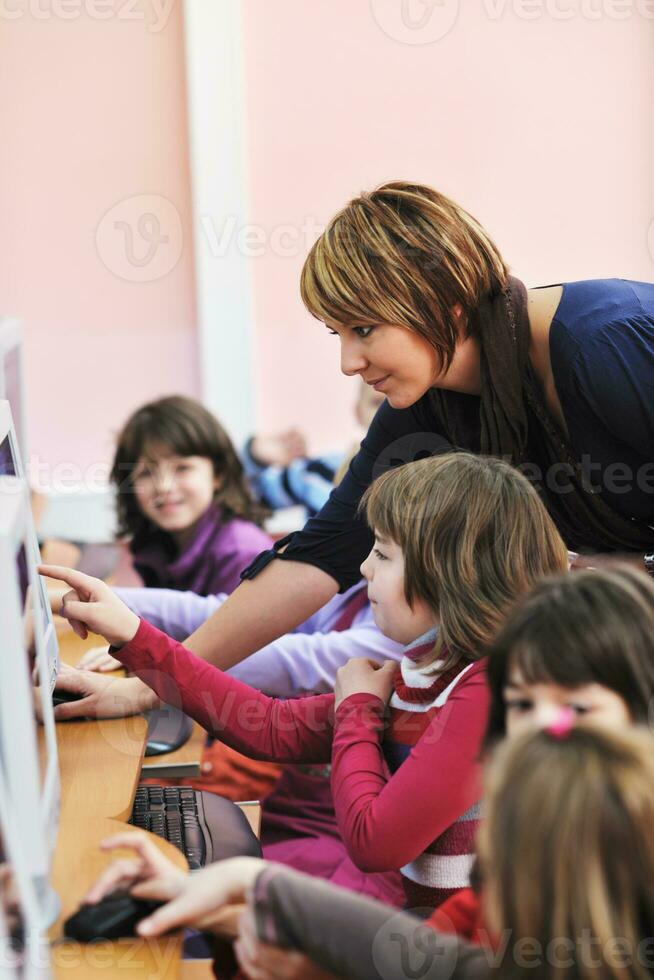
(458, 539)
(183, 500)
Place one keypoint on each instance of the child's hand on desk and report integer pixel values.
(99, 658)
(265, 962)
(103, 697)
(362, 676)
(92, 605)
(150, 869)
(202, 897)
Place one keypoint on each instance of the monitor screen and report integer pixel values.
(30, 609)
(22, 575)
(7, 464)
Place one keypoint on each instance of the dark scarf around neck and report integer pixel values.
(514, 424)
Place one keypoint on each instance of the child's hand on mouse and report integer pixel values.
(201, 898)
(92, 605)
(99, 659)
(363, 676)
(127, 874)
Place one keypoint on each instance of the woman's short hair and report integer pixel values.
(179, 426)
(475, 536)
(403, 254)
(592, 627)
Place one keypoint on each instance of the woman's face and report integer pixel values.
(402, 365)
(539, 705)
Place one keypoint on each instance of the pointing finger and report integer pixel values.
(71, 576)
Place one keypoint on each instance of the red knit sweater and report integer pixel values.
(386, 821)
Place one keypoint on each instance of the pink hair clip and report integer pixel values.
(562, 724)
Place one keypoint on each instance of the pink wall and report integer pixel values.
(93, 112)
(539, 127)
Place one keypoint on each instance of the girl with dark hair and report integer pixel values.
(183, 500)
(582, 641)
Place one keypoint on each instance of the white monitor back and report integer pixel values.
(11, 465)
(12, 376)
(24, 942)
(32, 782)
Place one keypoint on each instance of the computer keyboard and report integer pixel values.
(205, 827)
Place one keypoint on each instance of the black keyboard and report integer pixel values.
(205, 827)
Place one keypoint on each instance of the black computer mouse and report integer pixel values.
(63, 697)
(115, 917)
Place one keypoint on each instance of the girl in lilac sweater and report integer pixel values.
(183, 499)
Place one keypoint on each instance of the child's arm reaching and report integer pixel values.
(286, 731)
(298, 730)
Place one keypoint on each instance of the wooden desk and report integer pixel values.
(186, 759)
(71, 650)
(100, 764)
(197, 970)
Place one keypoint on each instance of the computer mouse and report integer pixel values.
(115, 917)
(64, 697)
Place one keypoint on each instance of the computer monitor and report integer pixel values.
(11, 464)
(12, 376)
(24, 946)
(31, 777)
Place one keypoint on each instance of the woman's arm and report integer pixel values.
(260, 610)
(355, 937)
